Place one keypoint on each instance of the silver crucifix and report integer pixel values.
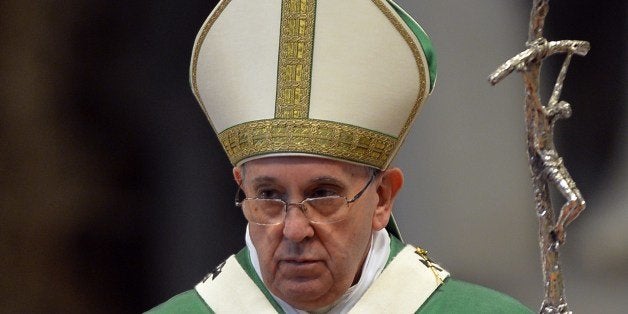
(546, 165)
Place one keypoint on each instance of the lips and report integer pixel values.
(297, 262)
(300, 266)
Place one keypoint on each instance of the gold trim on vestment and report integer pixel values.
(294, 69)
(307, 136)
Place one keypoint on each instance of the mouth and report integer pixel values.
(300, 265)
(300, 270)
(298, 261)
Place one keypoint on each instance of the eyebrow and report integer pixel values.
(328, 180)
(317, 180)
(263, 180)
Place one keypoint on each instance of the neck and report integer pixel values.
(358, 273)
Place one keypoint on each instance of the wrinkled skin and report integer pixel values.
(311, 265)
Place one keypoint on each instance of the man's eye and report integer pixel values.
(269, 194)
(323, 193)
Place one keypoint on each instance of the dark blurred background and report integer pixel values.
(114, 192)
(109, 169)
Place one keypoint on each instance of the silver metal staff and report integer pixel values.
(546, 165)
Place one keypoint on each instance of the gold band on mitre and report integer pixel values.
(336, 79)
(307, 136)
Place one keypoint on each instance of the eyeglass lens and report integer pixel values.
(273, 211)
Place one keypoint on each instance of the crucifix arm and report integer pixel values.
(536, 51)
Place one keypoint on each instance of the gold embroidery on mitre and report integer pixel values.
(332, 139)
(197, 48)
(419, 58)
(294, 70)
(308, 136)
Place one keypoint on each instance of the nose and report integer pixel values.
(297, 226)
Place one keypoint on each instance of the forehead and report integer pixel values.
(301, 165)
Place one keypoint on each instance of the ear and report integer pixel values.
(237, 175)
(390, 184)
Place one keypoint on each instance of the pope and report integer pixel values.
(311, 100)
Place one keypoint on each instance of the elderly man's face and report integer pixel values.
(310, 265)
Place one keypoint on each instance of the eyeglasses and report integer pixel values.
(269, 211)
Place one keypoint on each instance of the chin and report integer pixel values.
(306, 295)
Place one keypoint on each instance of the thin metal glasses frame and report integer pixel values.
(301, 205)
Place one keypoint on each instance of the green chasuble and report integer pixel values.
(453, 296)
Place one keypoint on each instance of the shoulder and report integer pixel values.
(455, 296)
(186, 302)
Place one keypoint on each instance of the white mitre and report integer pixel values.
(339, 79)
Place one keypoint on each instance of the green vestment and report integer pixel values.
(453, 296)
